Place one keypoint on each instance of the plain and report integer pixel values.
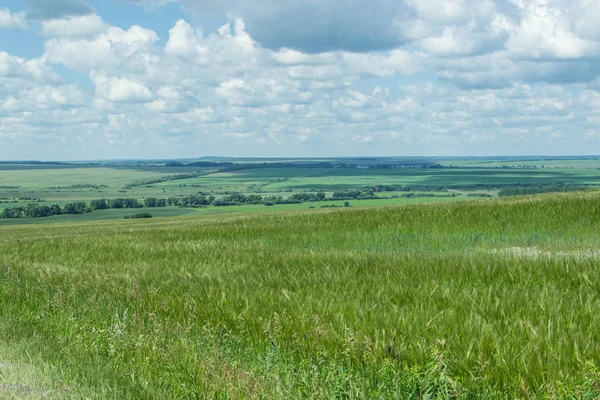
(479, 299)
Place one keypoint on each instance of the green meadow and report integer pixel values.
(22, 184)
(494, 298)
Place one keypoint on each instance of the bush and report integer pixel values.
(485, 195)
(139, 216)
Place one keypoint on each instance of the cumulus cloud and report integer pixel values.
(553, 30)
(120, 90)
(184, 41)
(115, 48)
(287, 56)
(45, 97)
(9, 20)
(426, 77)
(57, 9)
(37, 70)
(357, 26)
(316, 26)
(74, 26)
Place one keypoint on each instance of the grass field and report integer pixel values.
(99, 215)
(54, 184)
(479, 299)
(564, 163)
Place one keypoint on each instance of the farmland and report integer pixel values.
(270, 278)
(492, 298)
(403, 181)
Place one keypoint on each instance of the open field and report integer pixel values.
(479, 299)
(99, 215)
(22, 184)
(540, 163)
(250, 208)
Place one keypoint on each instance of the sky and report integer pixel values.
(116, 79)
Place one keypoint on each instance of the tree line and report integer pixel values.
(33, 210)
(39, 211)
(539, 189)
(200, 199)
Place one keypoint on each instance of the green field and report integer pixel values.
(98, 216)
(22, 184)
(539, 163)
(478, 299)
(179, 211)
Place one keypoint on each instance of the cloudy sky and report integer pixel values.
(99, 79)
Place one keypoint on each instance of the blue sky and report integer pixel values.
(185, 78)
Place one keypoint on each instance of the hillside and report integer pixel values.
(495, 298)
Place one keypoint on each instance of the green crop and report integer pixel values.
(478, 299)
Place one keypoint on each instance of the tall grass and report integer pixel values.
(430, 301)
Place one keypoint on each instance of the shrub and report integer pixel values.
(139, 216)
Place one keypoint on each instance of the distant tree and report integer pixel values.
(254, 199)
(55, 209)
(16, 212)
(36, 211)
(76, 208)
(116, 203)
(221, 203)
(363, 193)
(195, 200)
(173, 201)
(347, 204)
(99, 204)
(161, 203)
(132, 203)
(150, 202)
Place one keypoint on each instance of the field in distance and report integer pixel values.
(280, 184)
(492, 298)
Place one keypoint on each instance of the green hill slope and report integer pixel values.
(495, 299)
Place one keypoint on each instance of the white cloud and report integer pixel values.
(9, 20)
(116, 48)
(84, 25)
(170, 100)
(120, 90)
(38, 70)
(293, 57)
(547, 31)
(184, 42)
(463, 75)
(45, 97)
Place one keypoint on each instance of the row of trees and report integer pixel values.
(526, 190)
(39, 211)
(146, 182)
(104, 204)
(362, 193)
(42, 210)
(234, 199)
(424, 195)
(195, 200)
